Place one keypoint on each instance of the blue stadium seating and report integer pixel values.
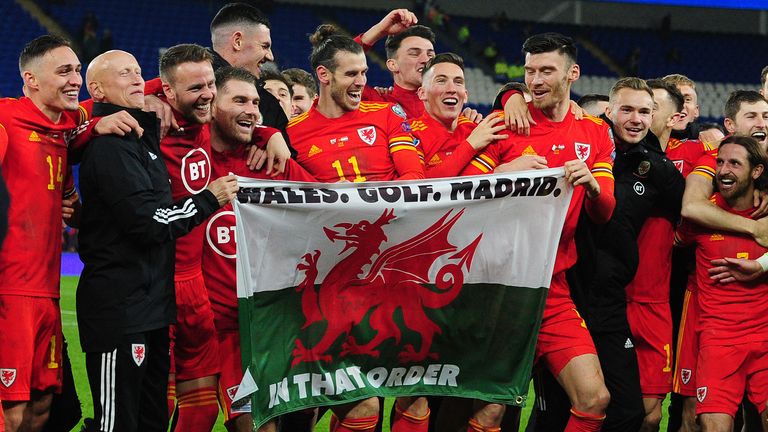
(17, 27)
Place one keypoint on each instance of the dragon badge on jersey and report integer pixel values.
(701, 393)
(7, 377)
(403, 269)
(685, 375)
(582, 150)
(138, 353)
(678, 165)
(232, 391)
(367, 134)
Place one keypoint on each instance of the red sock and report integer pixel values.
(362, 424)
(474, 426)
(584, 422)
(403, 421)
(198, 410)
(171, 398)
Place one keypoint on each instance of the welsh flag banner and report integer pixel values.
(431, 287)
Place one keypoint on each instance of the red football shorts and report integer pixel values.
(30, 346)
(194, 343)
(231, 373)
(563, 334)
(684, 381)
(725, 372)
(651, 326)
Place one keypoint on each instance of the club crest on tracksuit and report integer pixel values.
(138, 353)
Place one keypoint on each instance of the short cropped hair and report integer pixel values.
(632, 83)
(232, 73)
(738, 97)
(679, 80)
(302, 78)
(448, 57)
(326, 42)
(39, 47)
(672, 91)
(179, 54)
(238, 13)
(394, 41)
(548, 42)
(591, 99)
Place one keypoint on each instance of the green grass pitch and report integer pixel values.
(69, 322)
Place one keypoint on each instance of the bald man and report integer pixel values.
(125, 298)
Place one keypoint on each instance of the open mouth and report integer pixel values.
(451, 101)
(355, 95)
(72, 93)
(726, 183)
(203, 108)
(759, 135)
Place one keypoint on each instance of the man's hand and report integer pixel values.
(761, 202)
(384, 91)
(70, 210)
(523, 163)
(163, 111)
(486, 132)
(516, 115)
(277, 155)
(578, 112)
(760, 233)
(120, 123)
(711, 137)
(472, 114)
(727, 270)
(256, 158)
(393, 23)
(577, 173)
(224, 189)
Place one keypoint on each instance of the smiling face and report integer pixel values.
(409, 61)
(548, 77)
(631, 112)
(192, 90)
(235, 111)
(301, 101)
(53, 81)
(444, 93)
(690, 110)
(734, 176)
(115, 77)
(664, 113)
(254, 48)
(345, 84)
(750, 120)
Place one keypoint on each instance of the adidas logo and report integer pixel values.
(530, 151)
(152, 155)
(34, 137)
(628, 344)
(314, 150)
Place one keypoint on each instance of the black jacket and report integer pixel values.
(271, 112)
(128, 227)
(608, 254)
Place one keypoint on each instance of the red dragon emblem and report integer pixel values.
(137, 351)
(402, 268)
(7, 376)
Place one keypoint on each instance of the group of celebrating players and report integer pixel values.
(156, 303)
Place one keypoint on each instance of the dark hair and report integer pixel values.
(229, 73)
(238, 13)
(448, 57)
(738, 97)
(756, 155)
(326, 42)
(707, 126)
(277, 76)
(672, 91)
(40, 46)
(548, 42)
(301, 77)
(393, 42)
(763, 76)
(179, 54)
(591, 99)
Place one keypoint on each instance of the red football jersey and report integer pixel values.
(186, 153)
(651, 282)
(372, 143)
(35, 169)
(445, 153)
(219, 246)
(734, 312)
(588, 139)
(408, 100)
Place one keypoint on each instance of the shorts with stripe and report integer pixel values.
(129, 384)
(231, 374)
(686, 357)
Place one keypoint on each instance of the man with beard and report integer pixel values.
(343, 139)
(732, 322)
(584, 150)
(125, 298)
(233, 127)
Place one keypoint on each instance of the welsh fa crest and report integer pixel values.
(367, 134)
(138, 353)
(7, 377)
(685, 376)
(582, 150)
(701, 393)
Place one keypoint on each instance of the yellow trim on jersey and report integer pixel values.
(676, 378)
(399, 147)
(297, 119)
(477, 164)
(597, 174)
(83, 114)
(605, 165)
(372, 106)
(596, 120)
(401, 139)
(487, 159)
(704, 171)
